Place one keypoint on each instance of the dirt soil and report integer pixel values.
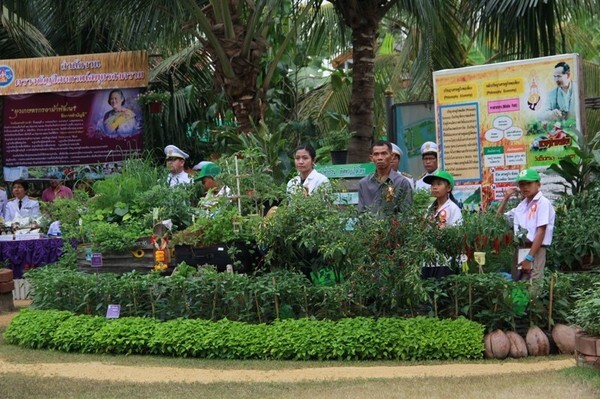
(105, 371)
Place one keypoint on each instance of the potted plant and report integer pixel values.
(337, 140)
(587, 317)
(154, 100)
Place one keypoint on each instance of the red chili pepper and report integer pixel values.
(496, 245)
(485, 242)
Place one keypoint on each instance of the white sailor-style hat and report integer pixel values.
(200, 165)
(174, 151)
(396, 150)
(429, 146)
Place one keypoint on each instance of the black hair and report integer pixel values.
(120, 93)
(380, 143)
(434, 206)
(565, 67)
(308, 148)
(23, 184)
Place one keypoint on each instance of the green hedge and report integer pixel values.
(358, 338)
(484, 298)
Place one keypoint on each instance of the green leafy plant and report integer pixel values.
(587, 311)
(151, 96)
(347, 339)
(581, 170)
(576, 240)
(487, 298)
(337, 140)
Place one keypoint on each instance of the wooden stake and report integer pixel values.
(276, 301)
(257, 307)
(550, 302)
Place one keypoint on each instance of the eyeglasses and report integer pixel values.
(171, 159)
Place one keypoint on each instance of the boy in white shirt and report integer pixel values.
(536, 215)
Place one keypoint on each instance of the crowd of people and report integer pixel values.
(387, 192)
(383, 193)
(21, 206)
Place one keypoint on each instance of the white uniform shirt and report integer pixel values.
(533, 214)
(420, 185)
(449, 214)
(180, 178)
(312, 182)
(29, 208)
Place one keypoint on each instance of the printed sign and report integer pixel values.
(494, 120)
(74, 73)
(72, 128)
(113, 311)
(96, 260)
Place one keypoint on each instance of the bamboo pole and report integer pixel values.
(276, 300)
(550, 302)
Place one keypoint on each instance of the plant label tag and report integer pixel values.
(96, 260)
(88, 254)
(113, 311)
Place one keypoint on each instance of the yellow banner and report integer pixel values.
(74, 73)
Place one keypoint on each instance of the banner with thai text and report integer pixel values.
(494, 120)
(74, 73)
(73, 128)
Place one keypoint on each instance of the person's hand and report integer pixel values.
(510, 192)
(526, 266)
(557, 114)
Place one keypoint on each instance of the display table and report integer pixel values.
(22, 255)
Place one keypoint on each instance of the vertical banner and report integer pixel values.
(494, 120)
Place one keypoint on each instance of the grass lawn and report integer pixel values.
(571, 383)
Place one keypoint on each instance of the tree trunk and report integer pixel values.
(363, 19)
(363, 90)
(241, 89)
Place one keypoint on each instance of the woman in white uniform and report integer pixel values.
(308, 179)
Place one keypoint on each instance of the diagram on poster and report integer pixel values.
(494, 120)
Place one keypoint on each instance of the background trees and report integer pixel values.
(230, 65)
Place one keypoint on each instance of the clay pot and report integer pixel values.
(537, 342)
(564, 337)
(497, 345)
(518, 347)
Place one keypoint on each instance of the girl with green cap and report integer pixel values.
(444, 209)
(446, 213)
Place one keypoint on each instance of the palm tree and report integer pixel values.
(518, 28)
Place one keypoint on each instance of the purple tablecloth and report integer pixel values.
(27, 254)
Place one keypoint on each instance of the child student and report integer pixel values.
(445, 212)
(536, 215)
(444, 209)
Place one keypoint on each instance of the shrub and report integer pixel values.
(487, 298)
(587, 311)
(35, 329)
(347, 339)
(75, 334)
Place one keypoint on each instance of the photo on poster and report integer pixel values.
(468, 197)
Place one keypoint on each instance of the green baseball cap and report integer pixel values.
(209, 170)
(528, 175)
(440, 174)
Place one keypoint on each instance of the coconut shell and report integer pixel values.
(537, 342)
(564, 337)
(518, 347)
(497, 345)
